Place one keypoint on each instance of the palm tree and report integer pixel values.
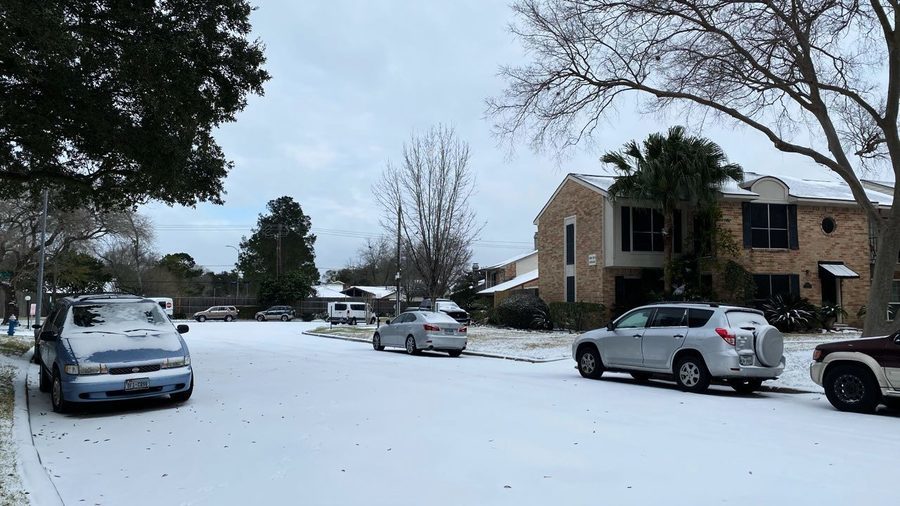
(671, 169)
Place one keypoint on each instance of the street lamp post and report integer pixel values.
(28, 309)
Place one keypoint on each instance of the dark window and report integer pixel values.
(770, 285)
(668, 317)
(570, 244)
(570, 288)
(340, 307)
(828, 225)
(646, 228)
(769, 226)
(358, 307)
(698, 317)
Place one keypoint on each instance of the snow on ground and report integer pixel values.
(281, 417)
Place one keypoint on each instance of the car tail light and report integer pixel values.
(723, 333)
(432, 328)
(817, 355)
(462, 330)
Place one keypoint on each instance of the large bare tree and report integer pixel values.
(432, 184)
(818, 78)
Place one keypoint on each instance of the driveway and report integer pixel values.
(281, 417)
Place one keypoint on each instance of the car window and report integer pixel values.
(745, 319)
(59, 321)
(358, 307)
(438, 318)
(669, 317)
(341, 307)
(118, 317)
(698, 317)
(635, 319)
(404, 318)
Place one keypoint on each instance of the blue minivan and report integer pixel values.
(111, 347)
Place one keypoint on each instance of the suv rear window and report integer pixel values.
(744, 319)
(698, 317)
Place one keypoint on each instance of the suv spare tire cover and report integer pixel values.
(769, 346)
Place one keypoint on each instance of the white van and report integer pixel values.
(350, 312)
(165, 303)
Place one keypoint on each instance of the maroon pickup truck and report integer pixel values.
(859, 374)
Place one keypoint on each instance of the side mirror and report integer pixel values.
(182, 329)
(48, 336)
(610, 326)
(387, 322)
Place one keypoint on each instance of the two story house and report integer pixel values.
(796, 236)
(513, 274)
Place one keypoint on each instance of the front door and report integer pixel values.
(664, 336)
(622, 347)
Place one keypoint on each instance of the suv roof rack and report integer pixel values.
(694, 302)
(105, 296)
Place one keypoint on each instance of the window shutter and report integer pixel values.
(748, 236)
(676, 232)
(792, 226)
(626, 228)
(795, 285)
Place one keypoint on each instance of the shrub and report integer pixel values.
(578, 315)
(523, 312)
(830, 313)
(307, 317)
(790, 313)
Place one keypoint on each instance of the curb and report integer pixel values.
(465, 352)
(35, 478)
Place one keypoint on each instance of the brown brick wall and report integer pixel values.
(848, 243)
(573, 199)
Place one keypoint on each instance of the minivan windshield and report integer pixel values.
(117, 317)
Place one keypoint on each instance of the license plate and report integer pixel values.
(450, 331)
(137, 384)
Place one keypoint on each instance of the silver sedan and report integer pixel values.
(422, 330)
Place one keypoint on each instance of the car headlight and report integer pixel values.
(86, 369)
(173, 362)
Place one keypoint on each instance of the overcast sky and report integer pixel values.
(351, 81)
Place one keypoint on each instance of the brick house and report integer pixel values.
(513, 274)
(796, 236)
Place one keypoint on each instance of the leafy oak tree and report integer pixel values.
(115, 103)
(817, 78)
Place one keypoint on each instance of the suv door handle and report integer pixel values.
(636, 335)
(678, 336)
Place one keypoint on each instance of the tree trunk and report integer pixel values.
(668, 219)
(887, 248)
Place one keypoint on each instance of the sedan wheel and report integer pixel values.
(851, 388)
(284, 318)
(691, 374)
(411, 345)
(260, 318)
(376, 343)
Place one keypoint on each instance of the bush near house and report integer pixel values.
(791, 313)
(578, 315)
(525, 312)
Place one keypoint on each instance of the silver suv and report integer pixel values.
(697, 343)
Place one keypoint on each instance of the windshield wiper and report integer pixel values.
(135, 330)
(100, 332)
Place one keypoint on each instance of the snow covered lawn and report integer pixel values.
(487, 339)
(279, 417)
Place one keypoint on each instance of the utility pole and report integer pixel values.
(278, 253)
(397, 294)
(40, 273)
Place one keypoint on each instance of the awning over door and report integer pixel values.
(839, 270)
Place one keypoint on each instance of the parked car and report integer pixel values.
(449, 307)
(112, 347)
(283, 313)
(227, 313)
(859, 374)
(350, 313)
(422, 330)
(696, 343)
(166, 304)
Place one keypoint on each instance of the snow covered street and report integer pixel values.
(280, 417)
